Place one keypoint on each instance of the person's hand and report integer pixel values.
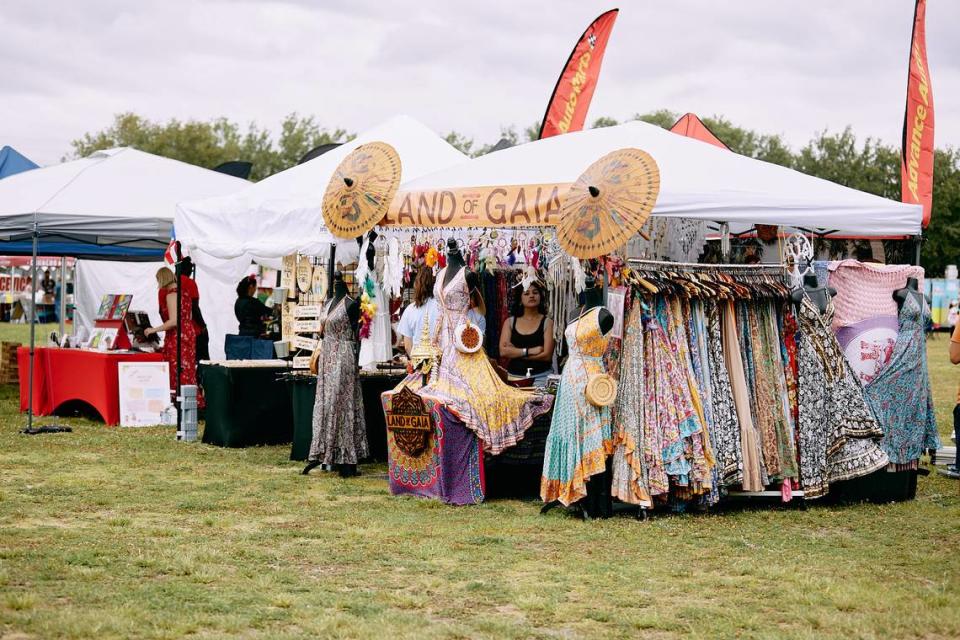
(148, 332)
(535, 351)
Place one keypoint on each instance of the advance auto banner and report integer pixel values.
(535, 205)
(916, 165)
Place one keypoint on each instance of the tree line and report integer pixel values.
(871, 165)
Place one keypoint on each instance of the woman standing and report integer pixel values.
(527, 337)
(250, 312)
(167, 299)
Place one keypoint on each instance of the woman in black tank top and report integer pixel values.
(527, 337)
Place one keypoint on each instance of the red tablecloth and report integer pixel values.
(62, 375)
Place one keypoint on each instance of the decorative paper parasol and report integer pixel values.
(361, 189)
(609, 203)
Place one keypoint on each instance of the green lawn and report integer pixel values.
(118, 533)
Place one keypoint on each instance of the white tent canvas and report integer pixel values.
(282, 214)
(121, 197)
(697, 181)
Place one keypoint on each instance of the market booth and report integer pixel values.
(278, 221)
(731, 379)
(115, 204)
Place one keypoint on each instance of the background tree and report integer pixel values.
(207, 144)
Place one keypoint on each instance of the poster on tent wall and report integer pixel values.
(13, 284)
(144, 393)
(916, 161)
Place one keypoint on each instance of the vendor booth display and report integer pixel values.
(66, 376)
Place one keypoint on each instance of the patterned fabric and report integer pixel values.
(837, 433)
(900, 395)
(726, 426)
(450, 469)
(580, 434)
(339, 430)
(868, 345)
(188, 338)
(629, 472)
(467, 384)
(749, 445)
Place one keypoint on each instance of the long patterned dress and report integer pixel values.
(900, 395)
(726, 431)
(339, 429)
(580, 434)
(629, 472)
(838, 436)
(467, 384)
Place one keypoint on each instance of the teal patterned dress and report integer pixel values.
(900, 395)
(580, 433)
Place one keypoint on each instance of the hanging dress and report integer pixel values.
(467, 383)
(726, 424)
(339, 430)
(900, 395)
(580, 433)
(837, 434)
(629, 472)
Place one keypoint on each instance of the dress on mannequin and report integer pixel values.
(339, 429)
(580, 433)
(466, 382)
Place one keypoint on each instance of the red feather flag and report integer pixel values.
(916, 159)
(570, 101)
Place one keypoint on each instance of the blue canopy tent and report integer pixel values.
(12, 161)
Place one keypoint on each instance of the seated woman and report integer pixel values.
(250, 312)
(527, 337)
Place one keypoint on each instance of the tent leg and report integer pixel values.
(916, 248)
(33, 328)
(62, 307)
(331, 263)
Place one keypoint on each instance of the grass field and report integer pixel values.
(118, 533)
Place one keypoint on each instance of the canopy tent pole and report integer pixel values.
(33, 328)
(62, 306)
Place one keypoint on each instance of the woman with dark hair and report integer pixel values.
(250, 312)
(424, 309)
(527, 337)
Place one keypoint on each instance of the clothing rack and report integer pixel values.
(771, 266)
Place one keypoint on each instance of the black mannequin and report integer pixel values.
(593, 297)
(455, 263)
(353, 313)
(911, 289)
(371, 249)
(339, 293)
(819, 296)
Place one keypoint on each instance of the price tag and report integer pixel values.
(307, 326)
(305, 343)
(301, 362)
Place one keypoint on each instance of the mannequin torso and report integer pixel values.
(911, 289)
(819, 296)
(593, 297)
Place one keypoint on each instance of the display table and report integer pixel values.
(69, 375)
(248, 403)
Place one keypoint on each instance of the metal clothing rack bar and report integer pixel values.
(699, 265)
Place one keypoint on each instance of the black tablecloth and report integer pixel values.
(304, 393)
(246, 406)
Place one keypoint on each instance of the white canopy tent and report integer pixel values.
(697, 181)
(114, 205)
(282, 215)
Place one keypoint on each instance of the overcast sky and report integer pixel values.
(788, 67)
